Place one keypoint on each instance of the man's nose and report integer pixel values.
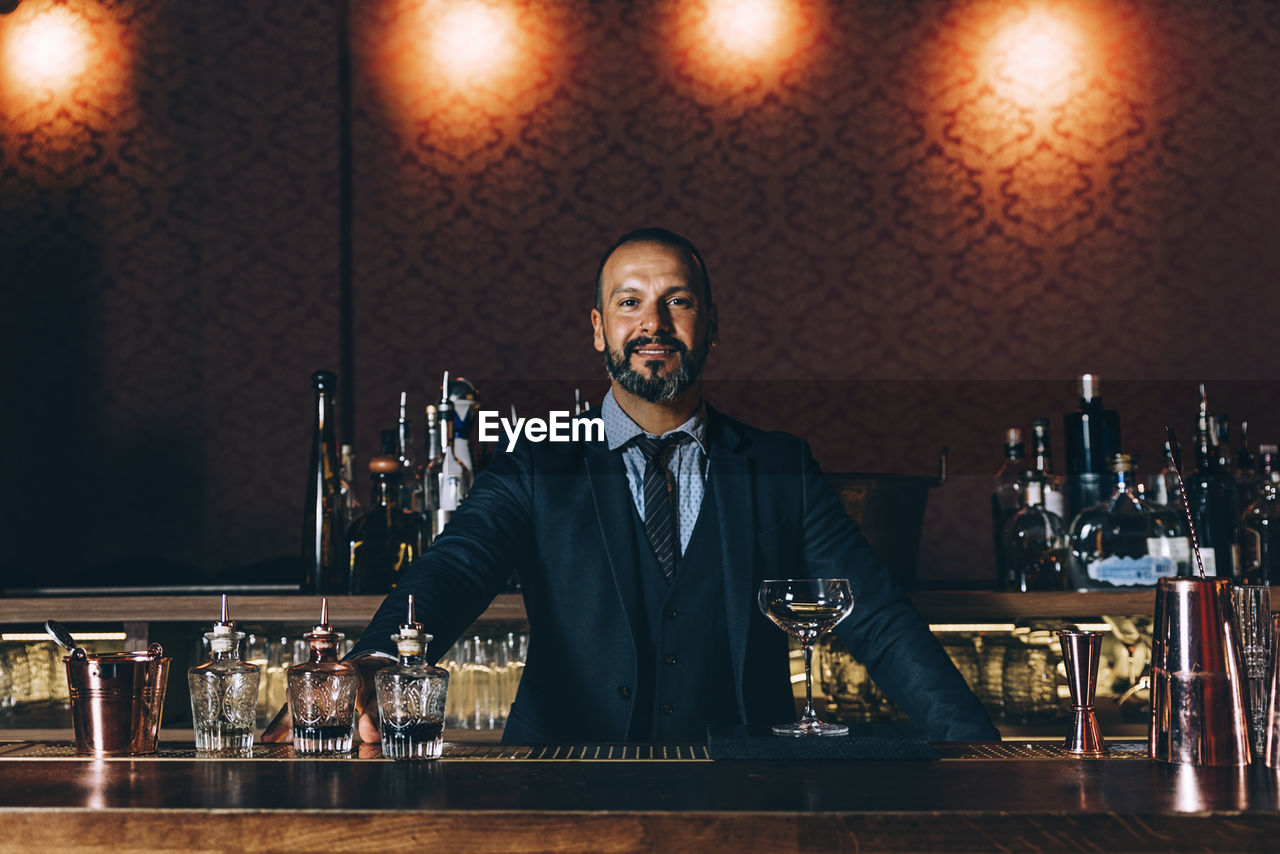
(656, 319)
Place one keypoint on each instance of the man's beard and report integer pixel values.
(653, 388)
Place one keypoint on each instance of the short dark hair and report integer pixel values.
(662, 236)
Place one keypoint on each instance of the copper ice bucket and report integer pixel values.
(116, 700)
(1197, 701)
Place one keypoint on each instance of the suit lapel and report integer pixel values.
(729, 474)
(612, 498)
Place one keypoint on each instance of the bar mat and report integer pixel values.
(1033, 750)
(452, 750)
(864, 741)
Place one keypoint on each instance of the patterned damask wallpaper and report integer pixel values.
(922, 220)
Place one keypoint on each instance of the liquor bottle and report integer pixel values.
(383, 542)
(465, 401)
(1213, 501)
(1006, 496)
(410, 485)
(322, 525)
(411, 697)
(428, 474)
(346, 486)
(1260, 524)
(322, 694)
(224, 694)
(1220, 438)
(1248, 480)
(1126, 541)
(452, 478)
(1165, 487)
(1055, 498)
(1092, 440)
(1035, 542)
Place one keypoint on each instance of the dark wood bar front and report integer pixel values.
(1009, 798)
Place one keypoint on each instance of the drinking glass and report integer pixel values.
(807, 608)
(1251, 604)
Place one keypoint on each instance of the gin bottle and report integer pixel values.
(1261, 524)
(1126, 541)
(1035, 543)
(322, 694)
(411, 698)
(224, 694)
(1092, 438)
(1006, 495)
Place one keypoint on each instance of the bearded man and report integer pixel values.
(640, 555)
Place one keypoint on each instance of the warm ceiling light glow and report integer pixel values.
(749, 28)
(473, 42)
(48, 51)
(1036, 58)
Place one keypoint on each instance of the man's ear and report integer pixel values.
(597, 329)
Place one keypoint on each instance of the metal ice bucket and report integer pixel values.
(889, 508)
(1197, 701)
(116, 700)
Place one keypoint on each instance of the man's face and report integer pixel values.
(654, 327)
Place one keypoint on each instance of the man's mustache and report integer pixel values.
(661, 340)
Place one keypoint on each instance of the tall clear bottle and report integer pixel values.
(224, 694)
(1053, 485)
(410, 483)
(411, 697)
(383, 542)
(1260, 524)
(323, 526)
(1092, 437)
(1213, 500)
(322, 694)
(1248, 478)
(1126, 541)
(1006, 496)
(1035, 542)
(430, 474)
(452, 479)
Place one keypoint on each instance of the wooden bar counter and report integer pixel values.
(1007, 797)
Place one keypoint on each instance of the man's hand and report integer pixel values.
(281, 727)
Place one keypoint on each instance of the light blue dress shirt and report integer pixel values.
(686, 463)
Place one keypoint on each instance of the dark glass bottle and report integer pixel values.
(322, 525)
(1006, 496)
(1248, 480)
(384, 541)
(1213, 501)
(1092, 439)
(1261, 524)
(1035, 542)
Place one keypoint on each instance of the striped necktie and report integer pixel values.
(659, 515)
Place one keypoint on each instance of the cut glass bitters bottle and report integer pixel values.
(224, 694)
(1126, 541)
(322, 694)
(411, 698)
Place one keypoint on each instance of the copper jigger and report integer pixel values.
(1197, 700)
(1080, 651)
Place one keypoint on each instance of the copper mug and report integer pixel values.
(1197, 699)
(117, 699)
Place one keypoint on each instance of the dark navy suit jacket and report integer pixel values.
(561, 514)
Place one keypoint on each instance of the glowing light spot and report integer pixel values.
(48, 51)
(1037, 60)
(472, 43)
(751, 29)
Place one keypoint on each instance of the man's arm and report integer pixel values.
(884, 631)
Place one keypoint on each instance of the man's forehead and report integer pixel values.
(641, 260)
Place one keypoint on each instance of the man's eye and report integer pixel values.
(627, 303)
(680, 301)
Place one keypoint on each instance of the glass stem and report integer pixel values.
(808, 682)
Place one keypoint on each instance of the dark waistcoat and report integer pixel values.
(682, 641)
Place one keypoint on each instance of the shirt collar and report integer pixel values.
(620, 429)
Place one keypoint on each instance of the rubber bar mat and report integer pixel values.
(573, 753)
(1034, 750)
(452, 750)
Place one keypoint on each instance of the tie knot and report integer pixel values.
(652, 448)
